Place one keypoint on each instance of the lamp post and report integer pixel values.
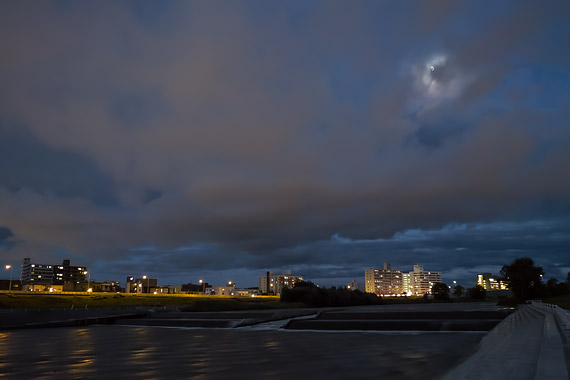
(8, 266)
(201, 282)
(145, 277)
(88, 281)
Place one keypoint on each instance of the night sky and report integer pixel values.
(218, 140)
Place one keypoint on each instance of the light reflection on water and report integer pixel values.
(157, 353)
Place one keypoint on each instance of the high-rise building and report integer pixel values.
(33, 273)
(421, 281)
(274, 283)
(490, 282)
(385, 281)
(68, 273)
(406, 283)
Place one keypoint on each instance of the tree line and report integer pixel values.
(523, 278)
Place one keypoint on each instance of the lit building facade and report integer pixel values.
(67, 273)
(227, 290)
(274, 283)
(406, 283)
(490, 282)
(385, 281)
(421, 281)
(140, 285)
(33, 273)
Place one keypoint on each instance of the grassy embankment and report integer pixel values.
(562, 301)
(188, 302)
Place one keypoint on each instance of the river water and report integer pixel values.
(122, 352)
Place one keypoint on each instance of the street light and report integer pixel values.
(201, 282)
(8, 266)
(145, 277)
(88, 281)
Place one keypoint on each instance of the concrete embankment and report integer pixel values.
(216, 319)
(527, 345)
(441, 317)
(25, 319)
(401, 321)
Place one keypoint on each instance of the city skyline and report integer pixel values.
(206, 140)
(55, 273)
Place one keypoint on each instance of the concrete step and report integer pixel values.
(209, 315)
(441, 315)
(404, 325)
(212, 323)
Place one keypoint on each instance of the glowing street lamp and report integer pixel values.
(88, 281)
(8, 266)
(201, 282)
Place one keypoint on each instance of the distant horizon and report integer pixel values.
(244, 278)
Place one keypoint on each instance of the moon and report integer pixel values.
(432, 68)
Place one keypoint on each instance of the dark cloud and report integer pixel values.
(245, 136)
(5, 238)
(25, 162)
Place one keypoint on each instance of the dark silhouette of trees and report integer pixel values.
(477, 292)
(555, 288)
(458, 291)
(524, 278)
(440, 291)
(305, 284)
(311, 295)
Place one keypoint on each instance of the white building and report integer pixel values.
(385, 281)
(406, 283)
(274, 283)
(490, 282)
(33, 273)
(421, 280)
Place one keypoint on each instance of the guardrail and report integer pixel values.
(562, 314)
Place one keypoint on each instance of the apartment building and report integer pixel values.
(421, 280)
(386, 281)
(274, 283)
(490, 282)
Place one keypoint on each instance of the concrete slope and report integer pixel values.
(524, 346)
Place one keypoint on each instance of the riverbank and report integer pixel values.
(189, 302)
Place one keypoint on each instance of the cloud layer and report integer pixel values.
(183, 137)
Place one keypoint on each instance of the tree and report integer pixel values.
(524, 278)
(477, 292)
(440, 291)
(555, 288)
(458, 291)
(305, 284)
(551, 287)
